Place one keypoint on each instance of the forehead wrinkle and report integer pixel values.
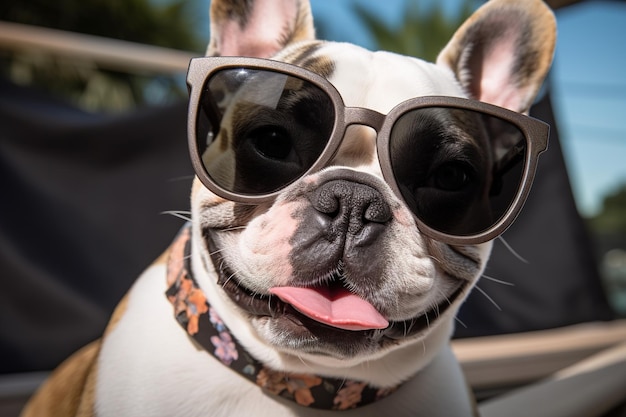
(381, 80)
(410, 78)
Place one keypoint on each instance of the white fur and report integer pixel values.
(382, 84)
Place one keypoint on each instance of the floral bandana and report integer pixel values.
(203, 323)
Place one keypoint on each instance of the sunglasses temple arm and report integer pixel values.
(509, 160)
(504, 165)
(214, 113)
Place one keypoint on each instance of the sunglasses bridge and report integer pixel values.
(364, 117)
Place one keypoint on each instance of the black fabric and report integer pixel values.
(80, 202)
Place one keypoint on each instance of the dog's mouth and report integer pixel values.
(330, 308)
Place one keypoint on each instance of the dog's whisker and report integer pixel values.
(305, 363)
(230, 277)
(447, 300)
(406, 329)
(458, 320)
(435, 308)
(413, 322)
(232, 229)
(510, 249)
(215, 252)
(499, 281)
(181, 214)
(488, 297)
(228, 280)
(434, 258)
(181, 178)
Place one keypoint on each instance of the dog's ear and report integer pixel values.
(258, 28)
(502, 53)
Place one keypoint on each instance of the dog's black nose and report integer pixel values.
(341, 232)
(347, 207)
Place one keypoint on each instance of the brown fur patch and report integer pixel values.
(321, 65)
(70, 389)
(304, 56)
(244, 213)
(224, 139)
(238, 10)
(120, 310)
(88, 399)
(162, 259)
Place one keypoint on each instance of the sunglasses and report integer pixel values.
(463, 167)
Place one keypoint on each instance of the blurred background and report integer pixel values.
(93, 153)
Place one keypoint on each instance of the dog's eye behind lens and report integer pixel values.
(265, 129)
(451, 176)
(272, 142)
(458, 170)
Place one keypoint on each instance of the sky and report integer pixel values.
(588, 83)
(589, 86)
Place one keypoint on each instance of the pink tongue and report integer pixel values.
(338, 308)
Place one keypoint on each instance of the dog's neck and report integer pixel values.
(202, 322)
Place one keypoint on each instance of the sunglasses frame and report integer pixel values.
(535, 131)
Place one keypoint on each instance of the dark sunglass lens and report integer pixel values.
(458, 170)
(259, 130)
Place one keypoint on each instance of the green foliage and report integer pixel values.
(140, 21)
(167, 24)
(612, 218)
(423, 32)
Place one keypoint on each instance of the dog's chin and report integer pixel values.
(285, 328)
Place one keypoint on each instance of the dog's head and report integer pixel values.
(347, 200)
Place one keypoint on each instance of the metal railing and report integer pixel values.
(108, 53)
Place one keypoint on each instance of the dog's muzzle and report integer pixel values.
(272, 306)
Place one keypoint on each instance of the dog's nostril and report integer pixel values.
(377, 211)
(350, 200)
(325, 201)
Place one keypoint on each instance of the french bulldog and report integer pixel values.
(344, 206)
